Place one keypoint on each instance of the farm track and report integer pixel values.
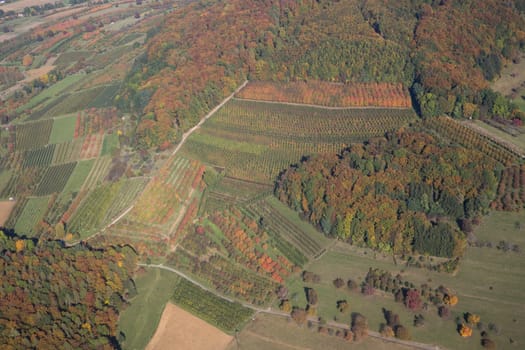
(206, 117)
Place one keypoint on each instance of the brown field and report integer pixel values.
(178, 329)
(5, 210)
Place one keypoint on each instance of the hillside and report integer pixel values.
(204, 49)
(262, 162)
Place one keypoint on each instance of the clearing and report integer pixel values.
(5, 210)
(180, 329)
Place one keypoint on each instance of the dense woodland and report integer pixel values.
(446, 52)
(62, 298)
(401, 194)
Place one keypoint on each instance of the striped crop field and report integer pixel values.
(55, 178)
(33, 135)
(257, 140)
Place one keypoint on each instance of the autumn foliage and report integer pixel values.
(330, 94)
(55, 297)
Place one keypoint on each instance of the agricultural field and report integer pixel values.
(224, 191)
(140, 319)
(257, 140)
(180, 328)
(5, 210)
(33, 135)
(457, 132)
(39, 157)
(110, 144)
(33, 212)
(55, 178)
(63, 129)
(327, 94)
(220, 313)
(98, 173)
(285, 225)
(68, 151)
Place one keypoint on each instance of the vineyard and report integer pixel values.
(67, 151)
(55, 178)
(329, 94)
(40, 157)
(33, 135)
(256, 141)
(511, 194)
(31, 215)
(231, 191)
(225, 315)
(459, 133)
(269, 212)
(153, 222)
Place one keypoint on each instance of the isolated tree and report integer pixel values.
(311, 296)
(443, 312)
(413, 299)
(339, 283)
(387, 331)
(352, 285)
(402, 332)
(471, 319)
(464, 330)
(343, 306)
(488, 344)
(359, 326)
(285, 305)
(282, 292)
(299, 315)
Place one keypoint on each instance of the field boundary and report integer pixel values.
(318, 106)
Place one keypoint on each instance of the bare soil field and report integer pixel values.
(178, 329)
(5, 210)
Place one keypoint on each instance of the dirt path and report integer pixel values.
(206, 117)
(316, 106)
(273, 341)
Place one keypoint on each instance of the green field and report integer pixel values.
(111, 143)
(481, 269)
(139, 320)
(32, 213)
(79, 175)
(63, 129)
(257, 140)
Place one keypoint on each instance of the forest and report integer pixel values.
(62, 297)
(399, 194)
